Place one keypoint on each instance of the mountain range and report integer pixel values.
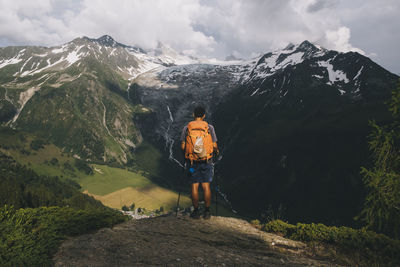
(292, 124)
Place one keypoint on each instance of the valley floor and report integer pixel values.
(181, 241)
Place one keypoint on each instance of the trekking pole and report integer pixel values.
(216, 194)
(177, 204)
(179, 190)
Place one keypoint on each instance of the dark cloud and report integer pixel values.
(321, 4)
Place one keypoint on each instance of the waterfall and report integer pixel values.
(225, 198)
(169, 141)
(127, 90)
(219, 191)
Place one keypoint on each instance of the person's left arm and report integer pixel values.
(214, 139)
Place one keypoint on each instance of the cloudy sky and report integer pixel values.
(211, 28)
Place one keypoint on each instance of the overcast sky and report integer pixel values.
(211, 28)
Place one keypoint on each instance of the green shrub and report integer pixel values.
(7, 111)
(54, 161)
(25, 152)
(37, 144)
(125, 208)
(68, 166)
(370, 245)
(83, 166)
(278, 227)
(29, 237)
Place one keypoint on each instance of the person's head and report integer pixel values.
(199, 112)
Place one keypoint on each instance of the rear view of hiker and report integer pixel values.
(199, 142)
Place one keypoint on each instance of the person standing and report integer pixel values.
(199, 142)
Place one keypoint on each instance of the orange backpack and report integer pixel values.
(199, 145)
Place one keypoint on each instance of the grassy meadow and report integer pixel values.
(114, 187)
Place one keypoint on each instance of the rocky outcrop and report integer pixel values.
(181, 241)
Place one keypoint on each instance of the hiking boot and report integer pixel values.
(195, 214)
(207, 215)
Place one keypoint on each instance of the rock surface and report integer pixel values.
(181, 241)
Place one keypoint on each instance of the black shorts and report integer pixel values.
(200, 172)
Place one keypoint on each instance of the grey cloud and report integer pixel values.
(321, 4)
(212, 28)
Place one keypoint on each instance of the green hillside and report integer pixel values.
(38, 212)
(114, 187)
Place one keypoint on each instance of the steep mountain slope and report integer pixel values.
(292, 125)
(76, 94)
(294, 133)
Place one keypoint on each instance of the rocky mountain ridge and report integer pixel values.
(103, 70)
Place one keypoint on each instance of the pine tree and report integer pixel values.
(381, 210)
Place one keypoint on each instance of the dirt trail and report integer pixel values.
(181, 241)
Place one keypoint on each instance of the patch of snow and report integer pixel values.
(334, 75)
(112, 52)
(255, 92)
(270, 62)
(170, 114)
(49, 65)
(72, 57)
(317, 76)
(283, 82)
(358, 73)
(292, 59)
(40, 55)
(23, 66)
(13, 60)
(42, 77)
(269, 66)
(60, 50)
(263, 92)
(342, 92)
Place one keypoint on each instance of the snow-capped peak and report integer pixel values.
(106, 40)
(168, 56)
(273, 62)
